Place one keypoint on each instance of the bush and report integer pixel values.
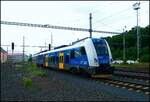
(145, 58)
(27, 82)
(18, 67)
(39, 73)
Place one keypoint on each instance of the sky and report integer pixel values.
(106, 16)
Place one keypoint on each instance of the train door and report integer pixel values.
(61, 60)
(46, 61)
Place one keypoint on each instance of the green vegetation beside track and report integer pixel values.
(142, 66)
(30, 71)
(116, 45)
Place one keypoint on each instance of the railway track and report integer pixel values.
(128, 84)
(144, 88)
(123, 84)
(132, 70)
(132, 74)
(130, 79)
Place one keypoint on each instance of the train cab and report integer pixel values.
(104, 57)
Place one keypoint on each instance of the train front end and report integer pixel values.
(104, 57)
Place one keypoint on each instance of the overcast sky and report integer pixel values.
(107, 16)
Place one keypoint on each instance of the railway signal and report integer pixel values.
(49, 47)
(12, 45)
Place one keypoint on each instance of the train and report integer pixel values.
(88, 55)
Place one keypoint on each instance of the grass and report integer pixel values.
(30, 71)
(27, 82)
(30, 68)
(39, 73)
(137, 65)
(18, 67)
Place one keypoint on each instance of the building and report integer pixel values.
(17, 57)
(3, 55)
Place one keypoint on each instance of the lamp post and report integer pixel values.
(136, 6)
(51, 39)
(124, 32)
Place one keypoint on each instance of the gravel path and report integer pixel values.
(60, 86)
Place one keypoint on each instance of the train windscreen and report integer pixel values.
(101, 47)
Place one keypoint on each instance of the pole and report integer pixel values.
(136, 7)
(45, 45)
(137, 38)
(51, 40)
(90, 30)
(124, 56)
(23, 49)
(7, 49)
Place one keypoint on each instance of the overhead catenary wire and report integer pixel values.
(112, 15)
(122, 12)
(55, 27)
(25, 46)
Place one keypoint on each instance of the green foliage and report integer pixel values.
(116, 44)
(144, 58)
(31, 68)
(31, 71)
(18, 67)
(39, 73)
(30, 58)
(27, 82)
(136, 65)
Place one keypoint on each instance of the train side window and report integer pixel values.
(52, 59)
(77, 53)
(62, 59)
(82, 51)
(56, 59)
(72, 54)
(49, 59)
(67, 59)
(59, 59)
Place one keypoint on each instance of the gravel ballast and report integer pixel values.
(60, 86)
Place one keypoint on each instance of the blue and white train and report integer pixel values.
(90, 55)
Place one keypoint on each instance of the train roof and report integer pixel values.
(75, 44)
(60, 46)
